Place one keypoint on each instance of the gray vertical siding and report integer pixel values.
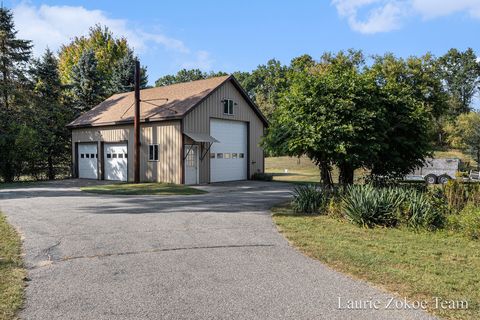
(198, 120)
(166, 134)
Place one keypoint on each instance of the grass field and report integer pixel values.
(302, 170)
(11, 271)
(416, 265)
(143, 189)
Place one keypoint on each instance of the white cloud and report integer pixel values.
(374, 16)
(52, 26)
(202, 61)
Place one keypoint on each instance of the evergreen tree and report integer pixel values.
(14, 56)
(123, 75)
(51, 114)
(88, 87)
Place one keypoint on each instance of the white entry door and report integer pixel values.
(116, 162)
(191, 164)
(228, 157)
(87, 161)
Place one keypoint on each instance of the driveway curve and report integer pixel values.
(210, 256)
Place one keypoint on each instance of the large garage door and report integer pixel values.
(116, 162)
(228, 159)
(87, 161)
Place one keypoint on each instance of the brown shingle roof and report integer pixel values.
(181, 97)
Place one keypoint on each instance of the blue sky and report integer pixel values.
(239, 35)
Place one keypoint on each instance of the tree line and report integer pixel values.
(350, 111)
(344, 110)
(40, 96)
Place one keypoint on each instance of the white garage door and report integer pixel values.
(228, 157)
(116, 162)
(87, 161)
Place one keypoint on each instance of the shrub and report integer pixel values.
(261, 176)
(369, 206)
(459, 195)
(466, 222)
(309, 199)
(422, 209)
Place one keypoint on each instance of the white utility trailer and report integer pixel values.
(435, 171)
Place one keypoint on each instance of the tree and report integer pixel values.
(464, 134)
(51, 115)
(341, 113)
(123, 75)
(404, 95)
(330, 114)
(87, 87)
(185, 75)
(460, 72)
(14, 56)
(107, 49)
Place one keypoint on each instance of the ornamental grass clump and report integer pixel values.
(309, 199)
(368, 206)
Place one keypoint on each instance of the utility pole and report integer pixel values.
(136, 125)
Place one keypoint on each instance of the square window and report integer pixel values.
(96, 155)
(227, 155)
(212, 155)
(153, 152)
(234, 155)
(126, 155)
(87, 155)
(241, 155)
(114, 155)
(219, 155)
(109, 155)
(82, 155)
(92, 155)
(120, 155)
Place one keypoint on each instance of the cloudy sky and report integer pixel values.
(239, 35)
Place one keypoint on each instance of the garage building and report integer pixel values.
(191, 133)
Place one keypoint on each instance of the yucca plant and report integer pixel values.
(369, 206)
(309, 199)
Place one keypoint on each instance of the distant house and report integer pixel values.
(195, 132)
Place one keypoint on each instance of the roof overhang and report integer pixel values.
(201, 137)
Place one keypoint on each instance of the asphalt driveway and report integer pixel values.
(211, 256)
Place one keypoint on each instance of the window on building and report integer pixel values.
(114, 155)
(87, 155)
(219, 155)
(227, 155)
(241, 155)
(153, 152)
(82, 155)
(109, 155)
(228, 106)
(212, 155)
(234, 155)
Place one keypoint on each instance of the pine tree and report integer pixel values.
(51, 114)
(88, 87)
(123, 75)
(14, 56)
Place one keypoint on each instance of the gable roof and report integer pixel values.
(157, 104)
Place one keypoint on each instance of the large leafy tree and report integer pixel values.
(107, 49)
(51, 114)
(460, 71)
(186, 75)
(14, 56)
(87, 86)
(464, 134)
(330, 113)
(404, 96)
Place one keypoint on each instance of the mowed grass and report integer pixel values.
(143, 189)
(299, 170)
(11, 271)
(416, 265)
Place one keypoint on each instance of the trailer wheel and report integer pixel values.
(443, 179)
(431, 179)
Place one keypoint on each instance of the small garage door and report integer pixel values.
(228, 157)
(87, 161)
(116, 162)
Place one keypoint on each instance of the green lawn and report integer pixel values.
(143, 189)
(11, 271)
(417, 265)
